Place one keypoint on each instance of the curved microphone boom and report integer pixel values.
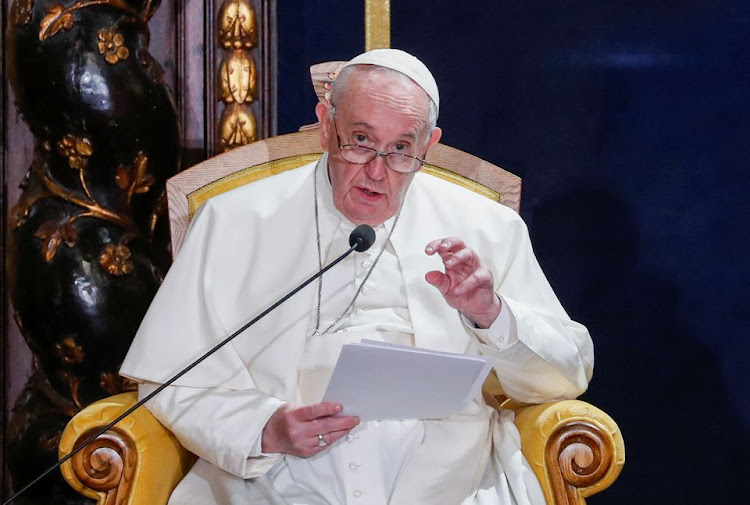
(360, 240)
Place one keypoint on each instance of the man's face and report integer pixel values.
(389, 114)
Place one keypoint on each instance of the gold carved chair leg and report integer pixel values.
(574, 448)
(138, 461)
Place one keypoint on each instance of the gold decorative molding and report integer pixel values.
(237, 25)
(238, 75)
(237, 126)
(377, 24)
(238, 78)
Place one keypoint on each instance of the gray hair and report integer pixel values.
(341, 80)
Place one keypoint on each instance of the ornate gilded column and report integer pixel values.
(238, 75)
(87, 244)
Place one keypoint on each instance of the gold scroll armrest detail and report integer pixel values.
(574, 448)
(136, 462)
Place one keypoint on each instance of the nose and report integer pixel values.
(377, 168)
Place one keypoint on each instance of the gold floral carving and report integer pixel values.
(52, 234)
(239, 79)
(76, 149)
(237, 25)
(115, 259)
(238, 126)
(133, 179)
(61, 18)
(111, 46)
(69, 351)
(20, 12)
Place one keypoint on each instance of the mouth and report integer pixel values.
(369, 195)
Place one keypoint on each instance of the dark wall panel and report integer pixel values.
(629, 122)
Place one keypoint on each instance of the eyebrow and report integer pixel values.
(368, 126)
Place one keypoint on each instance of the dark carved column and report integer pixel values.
(87, 242)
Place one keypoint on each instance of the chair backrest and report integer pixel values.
(188, 190)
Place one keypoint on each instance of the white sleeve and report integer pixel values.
(524, 374)
(539, 353)
(222, 426)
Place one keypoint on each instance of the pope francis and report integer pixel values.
(449, 270)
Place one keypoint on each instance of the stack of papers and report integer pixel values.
(378, 381)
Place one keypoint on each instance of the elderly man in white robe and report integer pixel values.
(449, 271)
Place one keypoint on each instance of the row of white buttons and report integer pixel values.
(354, 466)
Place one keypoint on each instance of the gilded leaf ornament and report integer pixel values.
(135, 179)
(74, 384)
(57, 18)
(111, 46)
(51, 236)
(20, 12)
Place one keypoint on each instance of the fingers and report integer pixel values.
(480, 278)
(329, 430)
(332, 436)
(454, 253)
(439, 280)
(331, 424)
(444, 246)
(316, 410)
(294, 430)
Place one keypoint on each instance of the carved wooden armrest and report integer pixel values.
(574, 448)
(137, 461)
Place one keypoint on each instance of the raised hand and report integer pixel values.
(294, 430)
(467, 284)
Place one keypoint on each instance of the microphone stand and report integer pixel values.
(357, 243)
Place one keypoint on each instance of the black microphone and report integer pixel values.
(364, 236)
(360, 240)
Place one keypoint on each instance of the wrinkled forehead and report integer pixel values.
(354, 80)
(365, 93)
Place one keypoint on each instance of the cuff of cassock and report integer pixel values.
(258, 462)
(502, 332)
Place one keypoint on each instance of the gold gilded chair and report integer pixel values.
(574, 448)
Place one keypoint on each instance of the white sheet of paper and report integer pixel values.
(378, 381)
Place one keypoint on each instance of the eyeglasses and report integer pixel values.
(362, 155)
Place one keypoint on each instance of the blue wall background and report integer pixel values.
(629, 122)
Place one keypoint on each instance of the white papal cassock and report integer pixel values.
(248, 247)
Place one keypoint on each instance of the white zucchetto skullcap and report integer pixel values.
(402, 62)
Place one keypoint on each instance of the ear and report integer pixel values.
(435, 136)
(323, 111)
